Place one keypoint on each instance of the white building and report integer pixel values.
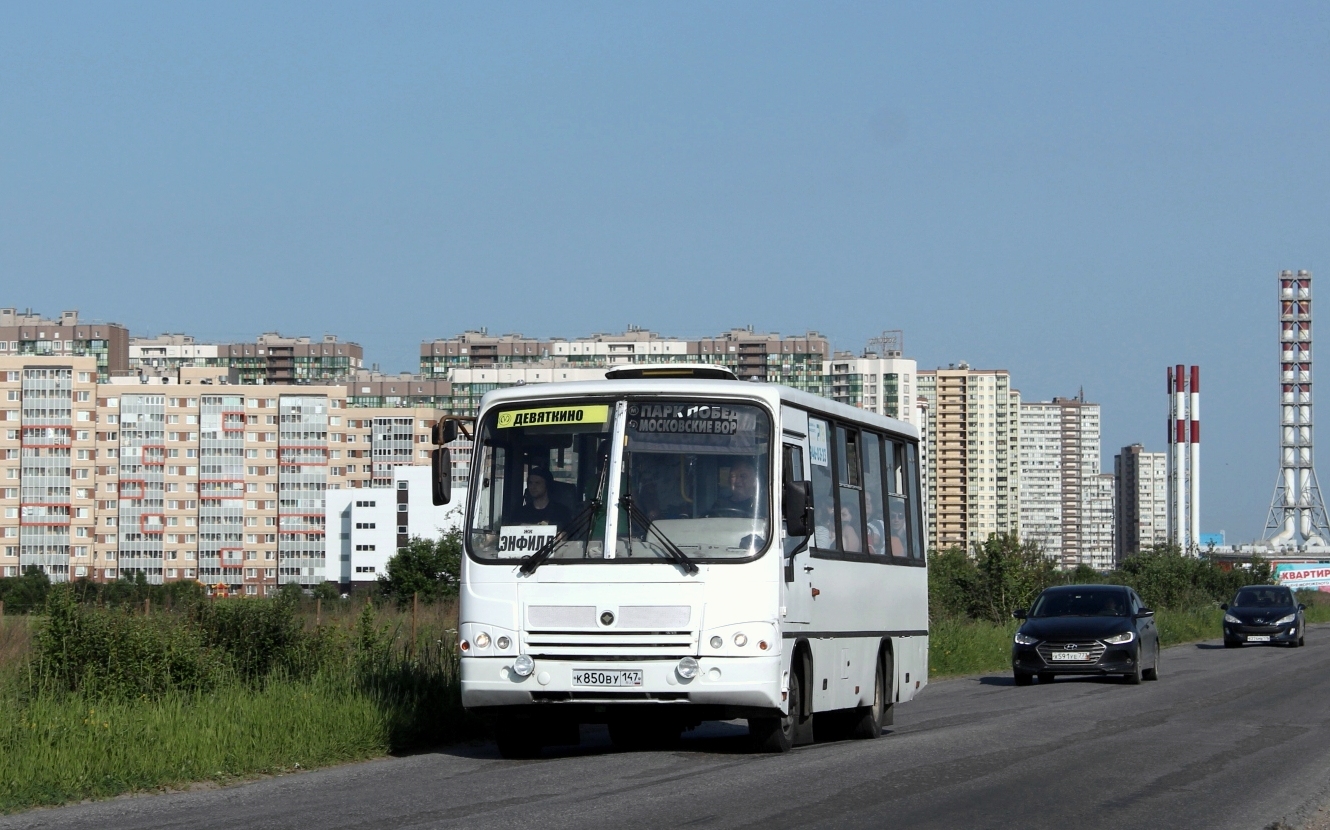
(372, 523)
(885, 384)
(1059, 470)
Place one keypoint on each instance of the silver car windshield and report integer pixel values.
(695, 473)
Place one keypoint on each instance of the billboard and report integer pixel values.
(1305, 576)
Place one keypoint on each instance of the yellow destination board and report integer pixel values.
(554, 416)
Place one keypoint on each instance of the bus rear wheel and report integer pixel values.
(868, 719)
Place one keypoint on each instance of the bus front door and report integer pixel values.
(797, 602)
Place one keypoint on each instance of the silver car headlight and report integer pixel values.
(1025, 639)
(1229, 618)
(1286, 620)
(1119, 639)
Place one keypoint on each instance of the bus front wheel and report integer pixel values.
(782, 733)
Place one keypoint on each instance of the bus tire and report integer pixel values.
(868, 719)
(782, 733)
(517, 738)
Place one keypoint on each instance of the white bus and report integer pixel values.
(764, 561)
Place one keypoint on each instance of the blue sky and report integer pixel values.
(1082, 194)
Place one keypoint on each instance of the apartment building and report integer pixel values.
(1041, 476)
(184, 475)
(1098, 522)
(972, 454)
(270, 359)
(1059, 473)
(1141, 500)
(25, 333)
(880, 379)
(370, 525)
(798, 361)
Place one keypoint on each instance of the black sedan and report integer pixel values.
(1263, 614)
(1086, 630)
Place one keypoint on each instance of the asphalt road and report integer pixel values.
(1225, 739)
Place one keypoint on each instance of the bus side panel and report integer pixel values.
(911, 666)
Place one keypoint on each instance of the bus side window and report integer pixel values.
(897, 507)
(850, 473)
(912, 503)
(875, 527)
(824, 493)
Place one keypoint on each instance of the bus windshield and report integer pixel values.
(694, 476)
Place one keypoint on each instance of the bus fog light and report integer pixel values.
(741, 639)
(717, 642)
(524, 665)
(688, 668)
(482, 640)
(503, 642)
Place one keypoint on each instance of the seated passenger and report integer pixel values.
(742, 499)
(538, 508)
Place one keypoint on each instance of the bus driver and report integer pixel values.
(742, 499)
(538, 508)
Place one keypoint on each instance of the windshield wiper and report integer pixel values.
(636, 515)
(581, 522)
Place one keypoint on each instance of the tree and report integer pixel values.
(23, 594)
(431, 568)
(1010, 576)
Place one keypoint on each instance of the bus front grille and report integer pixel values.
(604, 645)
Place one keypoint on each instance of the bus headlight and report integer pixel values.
(688, 668)
(524, 665)
(717, 642)
(741, 639)
(482, 640)
(503, 643)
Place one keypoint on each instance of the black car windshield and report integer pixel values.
(1104, 602)
(1271, 597)
(697, 472)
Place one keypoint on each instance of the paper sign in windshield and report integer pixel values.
(554, 416)
(817, 443)
(524, 540)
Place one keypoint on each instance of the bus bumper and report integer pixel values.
(742, 685)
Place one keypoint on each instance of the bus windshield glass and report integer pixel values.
(694, 476)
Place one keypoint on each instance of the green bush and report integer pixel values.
(430, 570)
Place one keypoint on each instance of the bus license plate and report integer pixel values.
(601, 677)
(1070, 656)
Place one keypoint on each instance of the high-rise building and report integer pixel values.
(1059, 461)
(794, 361)
(1141, 501)
(271, 358)
(26, 333)
(1097, 522)
(1041, 476)
(880, 380)
(972, 455)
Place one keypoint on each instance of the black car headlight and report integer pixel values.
(1025, 639)
(1229, 618)
(1286, 620)
(1119, 639)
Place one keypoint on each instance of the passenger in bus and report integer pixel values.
(537, 507)
(657, 492)
(742, 499)
(824, 527)
(897, 531)
(849, 534)
(875, 531)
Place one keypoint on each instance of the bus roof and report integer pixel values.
(773, 394)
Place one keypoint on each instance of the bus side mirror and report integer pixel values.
(441, 468)
(797, 507)
(443, 432)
